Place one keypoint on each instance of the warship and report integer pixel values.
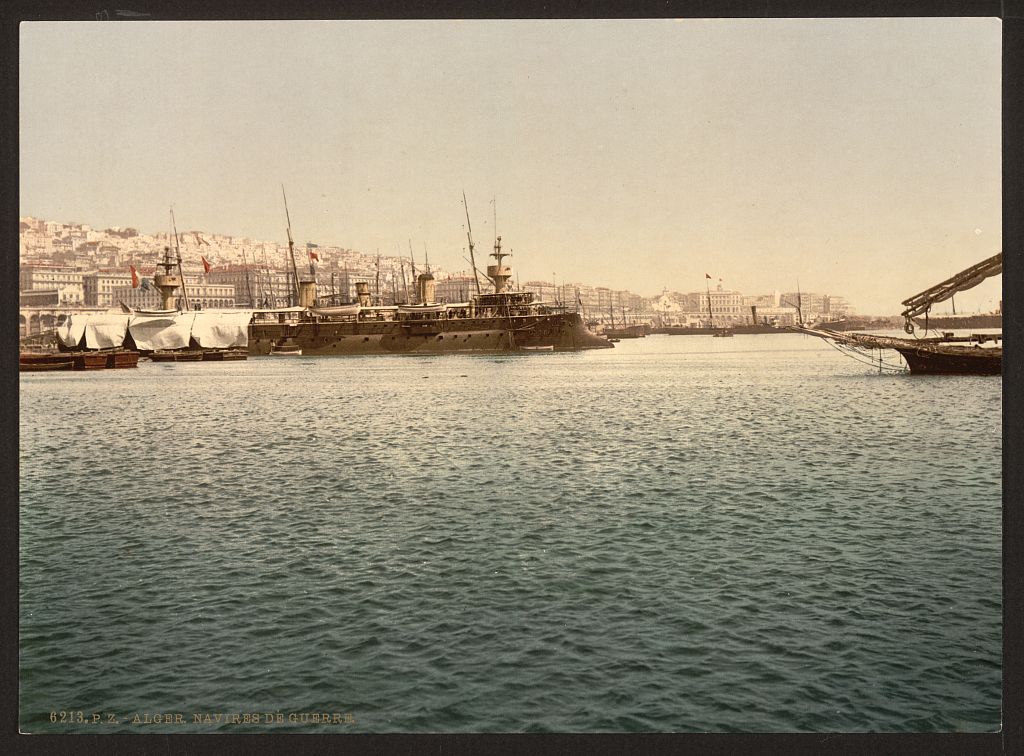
(502, 320)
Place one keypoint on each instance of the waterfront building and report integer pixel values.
(457, 288)
(39, 298)
(587, 297)
(252, 285)
(99, 286)
(64, 279)
(726, 305)
(545, 291)
(815, 306)
(201, 295)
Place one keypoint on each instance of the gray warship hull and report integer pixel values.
(558, 331)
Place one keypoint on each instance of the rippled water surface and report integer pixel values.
(680, 534)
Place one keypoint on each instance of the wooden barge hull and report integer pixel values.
(560, 332)
(35, 362)
(97, 360)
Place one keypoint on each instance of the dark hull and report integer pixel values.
(953, 360)
(561, 332)
(928, 356)
(684, 331)
(96, 360)
(125, 358)
(182, 355)
(961, 322)
(91, 361)
(627, 332)
(29, 362)
(219, 355)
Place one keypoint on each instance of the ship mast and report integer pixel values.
(405, 284)
(469, 234)
(291, 251)
(245, 267)
(499, 273)
(167, 282)
(711, 317)
(270, 277)
(412, 262)
(177, 249)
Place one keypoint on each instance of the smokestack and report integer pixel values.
(426, 288)
(363, 293)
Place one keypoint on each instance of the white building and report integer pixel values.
(201, 295)
(67, 281)
(99, 286)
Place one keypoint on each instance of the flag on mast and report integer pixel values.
(707, 275)
(135, 277)
(206, 264)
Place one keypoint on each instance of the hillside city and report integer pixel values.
(75, 266)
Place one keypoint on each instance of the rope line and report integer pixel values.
(859, 355)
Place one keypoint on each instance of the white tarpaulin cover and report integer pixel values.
(105, 330)
(152, 332)
(70, 332)
(220, 330)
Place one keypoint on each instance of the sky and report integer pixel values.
(855, 157)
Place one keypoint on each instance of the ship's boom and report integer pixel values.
(967, 279)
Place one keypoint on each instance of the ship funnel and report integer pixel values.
(363, 293)
(307, 293)
(426, 288)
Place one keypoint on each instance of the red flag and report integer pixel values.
(707, 275)
(135, 277)
(206, 264)
(314, 256)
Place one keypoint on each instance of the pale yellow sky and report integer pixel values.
(860, 156)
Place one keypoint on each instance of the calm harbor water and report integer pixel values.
(680, 534)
